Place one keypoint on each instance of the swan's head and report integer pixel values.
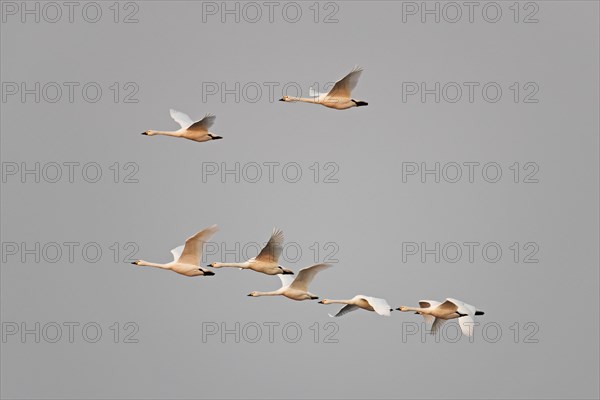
(148, 133)
(401, 308)
(285, 98)
(137, 262)
(325, 301)
(253, 294)
(213, 265)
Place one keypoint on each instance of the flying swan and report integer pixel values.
(436, 313)
(196, 131)
(186, 258)
(339, 97)
(296, 289)
(380, 306)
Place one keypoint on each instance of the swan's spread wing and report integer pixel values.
(286, 280)
(463, 307)
(306, 275)
(177, 252)
(448, 306)
(204, 124)
(429, 319)
(466, 325)
(428, 303)
(345, 310)
(343, 88)
(436, 325)
(380, 306)
(192, 251)
(181, 118)
(273, 249)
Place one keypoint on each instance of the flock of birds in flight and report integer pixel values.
(187, 258)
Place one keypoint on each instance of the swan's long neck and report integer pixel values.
(416, 309)
(305, 99)
(235, 265)
(339, 301)
(167, 133)
(155, 265)
(273, 293)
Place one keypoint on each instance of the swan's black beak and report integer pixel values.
(479, 313)
(281, 99)
(249, 295)
(321, 302)
(209, 265)
(134, 262)
(144, 133)
(398, 309)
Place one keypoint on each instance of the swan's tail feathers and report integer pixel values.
(479, 313)
(207, 272)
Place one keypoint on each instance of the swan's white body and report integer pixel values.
(436, 313)
(192, 130)
(380, 306)
(296, 288)
(339, 97)
(267, 261)
(186, 258)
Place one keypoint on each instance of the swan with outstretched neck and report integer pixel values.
(186, 258)
(436, 313)
(267, 261)
(196, 131)
(296, 288)
(339, 97)
(380, 306)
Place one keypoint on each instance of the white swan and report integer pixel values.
(380, 306)
(296, 289)
(436, 313)
(339, 97)
(186, 258)
(267, 261)
(196, 131)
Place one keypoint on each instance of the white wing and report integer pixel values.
(466, 325)
(181, 118)
(345, 310)
(429, 319)
(192, 250)
(343, 88)
(306, 275)
(463, 307)
(286, 280)
(204, 124)
(436, 325)
(177, 252)
(380, 305)
(273, 249)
